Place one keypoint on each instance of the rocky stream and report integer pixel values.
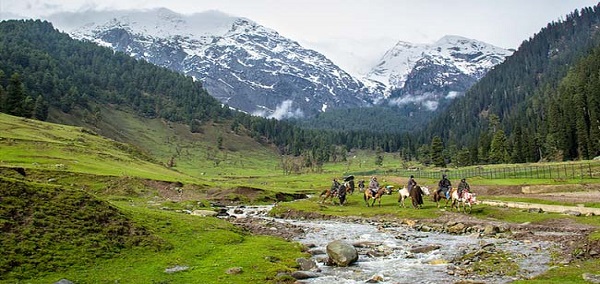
(406, 251)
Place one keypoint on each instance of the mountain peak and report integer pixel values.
(452, 39)
(471, 57)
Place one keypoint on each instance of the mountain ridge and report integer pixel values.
(240, 62)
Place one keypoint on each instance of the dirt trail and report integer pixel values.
(544, 207)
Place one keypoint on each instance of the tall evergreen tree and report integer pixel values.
(518, 150)
(15, 96)
(437, 150)
(40, 109)
(498, 148)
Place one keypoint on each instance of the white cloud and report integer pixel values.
(284, 110)
(427, 100)
(453, 94)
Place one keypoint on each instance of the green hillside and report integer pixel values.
(73, 201)
(515, 114)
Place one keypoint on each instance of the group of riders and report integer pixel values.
(444, 186)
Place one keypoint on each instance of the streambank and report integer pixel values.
(454, 247)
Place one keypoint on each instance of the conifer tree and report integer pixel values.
(40, 109)
(15, 96)
(437, 149)
(498, 148)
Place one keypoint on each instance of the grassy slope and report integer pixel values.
(33, 144)
(48, 144)
(34, 214)
(195, 153)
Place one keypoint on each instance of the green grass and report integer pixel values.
(76, 160)
(51, 233)
(39, 145)
(208, 246)
(571, 273)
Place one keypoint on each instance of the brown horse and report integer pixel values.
(437, 196)
(368, 194)
(417, 195)
(339, 192)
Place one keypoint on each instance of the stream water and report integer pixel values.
(388, 255)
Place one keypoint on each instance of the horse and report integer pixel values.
(416, 198)
(368, 194)
(467, 200)
(340, 192)
(453, 197)
(361, 185)
(350, 186)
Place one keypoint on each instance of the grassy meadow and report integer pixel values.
(73, 174)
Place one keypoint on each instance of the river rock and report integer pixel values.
(176, 268)
(375, 279)
(341, 253)
(365, 244)
(316, 251)
(592, 278)
(572, 213)
(457, 228)
(204, 213)
(425, 249)
(304, 274)
(306, 264)
(234, 270)
(490, 230)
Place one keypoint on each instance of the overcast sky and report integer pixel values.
(350, 24)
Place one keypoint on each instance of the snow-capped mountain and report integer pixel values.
(254, 69)
(429, 73)
(241, 63)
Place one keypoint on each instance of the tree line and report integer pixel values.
(67, 74)
(537, 105)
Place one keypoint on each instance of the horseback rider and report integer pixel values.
(444, 185)
(374, 185)
(335, 185)
(462, 187)
(411, 183)
(351, 186)
(361, 185)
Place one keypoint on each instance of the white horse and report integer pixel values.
(403, 194)
(467, 200)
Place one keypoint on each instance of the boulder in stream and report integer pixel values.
(341, 253)
(591, 278)
(425, 249)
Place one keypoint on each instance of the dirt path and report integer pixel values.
(544, 207)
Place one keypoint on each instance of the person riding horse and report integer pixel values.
(462, 187)
(411, 183)
(350, 184)
(444, 186)
(335, 185)
(373, 185)
(361, 185)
